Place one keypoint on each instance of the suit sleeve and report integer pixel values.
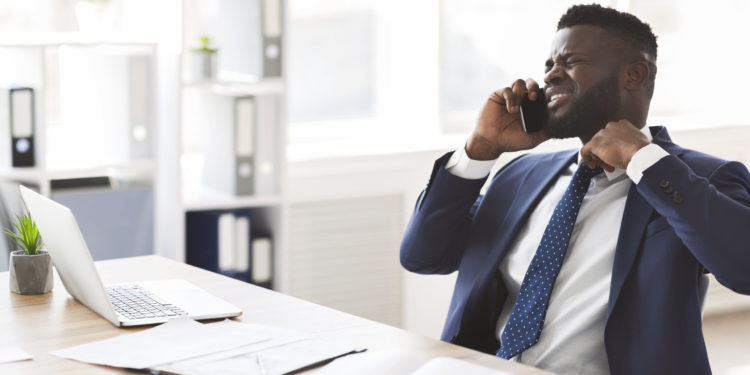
(440, 225)
(710, 215)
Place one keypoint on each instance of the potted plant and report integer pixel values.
(30, 268)
(204, 60)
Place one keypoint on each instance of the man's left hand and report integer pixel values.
(613, 146)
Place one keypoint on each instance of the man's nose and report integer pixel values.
(554, 75)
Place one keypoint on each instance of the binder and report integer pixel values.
(219, 241)
(202, 239)
(21, 110)
(272, 24)
(266, 151)
(245, 124)
(261, 273)
(140, 103)
(242, 244)
(225, 242)
(230, 148)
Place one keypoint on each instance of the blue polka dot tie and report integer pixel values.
(525, 322)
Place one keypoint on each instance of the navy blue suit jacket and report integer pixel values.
(689, 215)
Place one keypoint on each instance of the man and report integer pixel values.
(568, 269)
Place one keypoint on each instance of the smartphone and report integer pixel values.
(534, 113)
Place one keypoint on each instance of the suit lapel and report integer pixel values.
(634, 220)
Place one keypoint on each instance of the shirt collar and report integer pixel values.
(619, 172)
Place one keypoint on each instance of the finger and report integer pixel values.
(497, 97)
(511, 101)
(519, 90)
(533, 88)
(601, 163)
(606, 166)
(519, 87)
(587, 157)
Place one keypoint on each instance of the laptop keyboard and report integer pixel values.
(134, 302)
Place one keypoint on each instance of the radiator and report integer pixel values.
(343, 254)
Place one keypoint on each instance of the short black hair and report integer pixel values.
(623, 24)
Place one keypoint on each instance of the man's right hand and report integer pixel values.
(499, 128)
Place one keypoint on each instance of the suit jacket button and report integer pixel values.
(669, 189)
(677, 197)
(663, 183)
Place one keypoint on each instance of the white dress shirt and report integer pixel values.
(572, 338)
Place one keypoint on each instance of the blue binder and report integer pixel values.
(202, 241)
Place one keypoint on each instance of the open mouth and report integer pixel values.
(557, 96)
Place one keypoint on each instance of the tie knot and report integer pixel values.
(585, 172)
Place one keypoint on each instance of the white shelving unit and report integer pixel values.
(94, 117)
(236, 31)
(171, 167)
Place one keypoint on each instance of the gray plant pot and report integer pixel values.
(30, 274)
(203, 66)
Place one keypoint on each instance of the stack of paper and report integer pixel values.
(184, 346)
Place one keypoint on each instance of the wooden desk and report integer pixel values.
(40, 324)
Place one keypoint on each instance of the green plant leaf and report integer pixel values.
(28, 237)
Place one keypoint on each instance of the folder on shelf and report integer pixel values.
(242, 243)
(21, 116)
(262, 261)
(225, 242)
(219, 241)
(272, 14)
(230, 150)
(140, 101)
(266, 145)
(202, 239)
(245, 127)
(242, 158)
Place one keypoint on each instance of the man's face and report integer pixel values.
(582, 82)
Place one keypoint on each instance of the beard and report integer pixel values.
(589, 113)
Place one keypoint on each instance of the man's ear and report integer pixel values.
(636, 75)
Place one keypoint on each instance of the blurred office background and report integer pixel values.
(369, 94)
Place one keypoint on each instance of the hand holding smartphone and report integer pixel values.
(534, 113)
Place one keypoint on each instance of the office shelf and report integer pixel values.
(208, 199)
(143, 169)
(239, 88)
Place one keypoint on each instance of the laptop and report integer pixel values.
(124, 305)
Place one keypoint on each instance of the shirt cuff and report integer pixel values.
(643, 159)
(461, 165)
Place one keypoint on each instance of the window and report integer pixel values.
(331, 67)
(487, 44)
(701, 79)
(362, 75)
(405, 75)
(484, 46)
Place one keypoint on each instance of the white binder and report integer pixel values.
(272, 12)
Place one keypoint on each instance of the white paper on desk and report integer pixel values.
(13, 354)
(377, 362)
(287, 351)
(451, 366)
(177, 339)
(401, 362)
